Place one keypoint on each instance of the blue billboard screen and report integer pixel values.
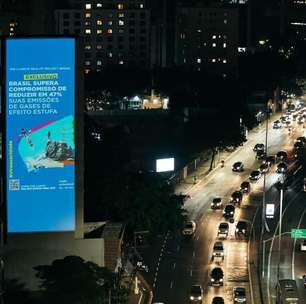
(40, 146)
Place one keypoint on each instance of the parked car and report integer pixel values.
(237, 167)
(239, 295)
(270, 160)
(277, 124)
(301, 139)
(216, 277)
(261, 155)
(236, 197)
(259, 147)
(245, 187)
(223, 230)
(189, 228)
(196, 294)
(255, 175)
(216, 203)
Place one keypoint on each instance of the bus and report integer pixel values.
(286, 292)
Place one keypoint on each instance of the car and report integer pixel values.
(283, 119)
(236, 197)
(300, 119)
(281, 168)
(245, 187)
(196, 294)
(301, 139)
(304, 280)
(277, 124)
(217, 300)
(303, 245)
(241, 228)
(259, 147)
(223, 230)
(270, 160)
(229, 212)
(281, 156)
(218, 251)
(255, 175)
(239, 295)
(237, 167)
(264, 168)
(216, 277)
(216, 203)
(261, 154)
(298, 146)
(189, 228)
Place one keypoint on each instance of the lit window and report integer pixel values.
(87, 47)
(110, 55)
(87, 71)
(99, 4)
(199, 31)
(213, 60)
(88, 6)
(121, 15)
(214, 37)
(110, 22)
(214, 45)
(11, 29)
(141, 5)
(99, 32)
(199, 60)
(121, 22)
(224, 45)
(99, 46)
(87, 62)
(120, 61)
(109, 31)
(87, 22)
(120, 6)
(87, 15)
(88, 31)
(120, 31)
(225, 21)
(224, 61)
(99, 62)
(99, 22)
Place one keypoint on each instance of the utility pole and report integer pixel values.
(280, 225)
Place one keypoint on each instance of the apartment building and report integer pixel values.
(115, 32)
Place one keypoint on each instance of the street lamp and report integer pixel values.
(281, 198)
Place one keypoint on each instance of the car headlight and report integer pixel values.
(211, 204)
(221, 280)
(232, 212)
(191, 297)
(243, 230)
(237, 229)
(212, 280)
(199, 298)
(219, 230)
(225, 231)
(221, 253)
(214, 253)
(219, 204)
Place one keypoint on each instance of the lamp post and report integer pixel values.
(281, 198)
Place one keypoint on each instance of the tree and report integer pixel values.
(71, 280)
(15, 292)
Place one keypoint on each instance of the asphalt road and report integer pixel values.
(184, 262)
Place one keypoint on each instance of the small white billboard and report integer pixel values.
(270, 209)
(164, 164)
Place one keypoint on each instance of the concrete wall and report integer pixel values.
(24, 251)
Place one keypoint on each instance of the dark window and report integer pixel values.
(99, 55)
(143, 46)
(77, 23)
(131, 38)
(131, 22)
(77, 15)
(143, 31)
(142, 23)
(142, 54)
(99, 39)
(131, 30)
(132, 15)
(66, 15)
(87, 39)
(109, 47)
(120, 47)
(87, 55)
(66, 23)
(142, 39)
(77, 31)
(110, 38)
(142, 15)
(120, 38)
(66, 32)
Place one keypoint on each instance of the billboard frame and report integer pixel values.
(78, 129)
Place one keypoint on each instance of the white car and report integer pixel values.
(303, 245)
(189, 228)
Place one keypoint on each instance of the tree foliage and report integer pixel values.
(72, 280)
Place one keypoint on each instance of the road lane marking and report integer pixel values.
(271, 248)
(294, 244)
(191, 272)
(174, 264)
(171, 284)
(178, 247)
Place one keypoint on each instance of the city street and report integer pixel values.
(186, 262)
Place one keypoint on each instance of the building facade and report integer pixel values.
(207, 38)
(115, 33)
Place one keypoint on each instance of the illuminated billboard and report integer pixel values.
(270, 209)
(164, 164)
(40, 146)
